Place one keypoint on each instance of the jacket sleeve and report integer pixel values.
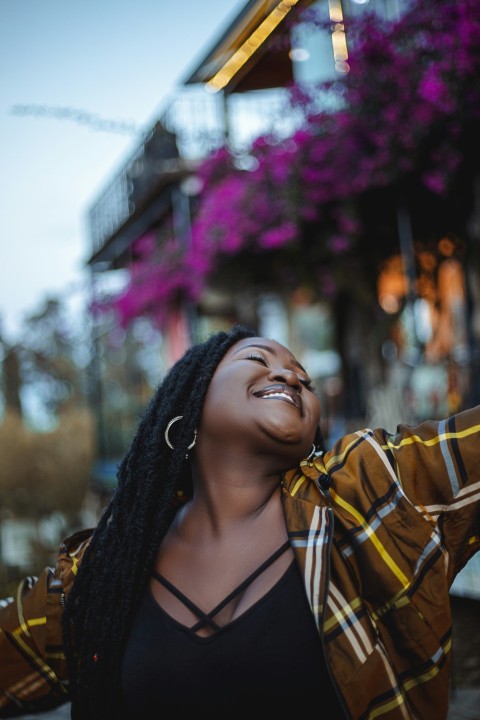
(33, 668)
(438, 466)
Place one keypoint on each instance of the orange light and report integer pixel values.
(446, 247)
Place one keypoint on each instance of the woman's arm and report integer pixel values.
(33, 668)
(438, 466)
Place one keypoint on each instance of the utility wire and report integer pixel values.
(76, 115)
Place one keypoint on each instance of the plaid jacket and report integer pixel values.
(380, 526)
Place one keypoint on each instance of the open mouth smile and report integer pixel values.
(281, 392)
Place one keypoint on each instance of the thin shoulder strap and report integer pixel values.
(206, 618)
(251, 578)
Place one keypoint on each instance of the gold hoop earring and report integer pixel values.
(167, 439)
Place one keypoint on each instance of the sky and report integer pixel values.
(112, 60)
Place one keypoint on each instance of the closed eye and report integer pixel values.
(306, 382)
(258, 358)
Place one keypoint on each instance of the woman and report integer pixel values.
(239, 568)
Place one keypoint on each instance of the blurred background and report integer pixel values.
(308, 168)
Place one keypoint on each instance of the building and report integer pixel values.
(378, 292)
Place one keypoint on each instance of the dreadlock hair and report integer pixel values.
(117, 563)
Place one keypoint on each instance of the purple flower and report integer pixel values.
(279, 236)
(411, 91)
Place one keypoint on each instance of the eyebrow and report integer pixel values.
(272, 352)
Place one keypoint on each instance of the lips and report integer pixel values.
(281, 392)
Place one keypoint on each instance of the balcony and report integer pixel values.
(192, 125)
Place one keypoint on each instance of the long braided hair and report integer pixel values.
(117, 563)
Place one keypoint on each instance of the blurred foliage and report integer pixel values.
(42, 473)
(54, 356)
(47, 432)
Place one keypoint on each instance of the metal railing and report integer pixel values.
(192, 125)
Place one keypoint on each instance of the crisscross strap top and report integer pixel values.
(206, 619)
(269, 657)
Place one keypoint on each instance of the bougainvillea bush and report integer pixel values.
(409, 99)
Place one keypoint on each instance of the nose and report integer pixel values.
(287, 376)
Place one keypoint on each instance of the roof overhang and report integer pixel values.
(243, 45)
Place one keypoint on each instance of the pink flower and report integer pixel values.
(339, 244)
(411, 91)
(279, 236)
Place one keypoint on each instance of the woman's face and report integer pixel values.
(260, 397)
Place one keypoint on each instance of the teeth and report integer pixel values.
(280, 395)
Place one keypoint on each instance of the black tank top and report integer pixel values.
(269, 657)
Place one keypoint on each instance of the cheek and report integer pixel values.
(222, 406)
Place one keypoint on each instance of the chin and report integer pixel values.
(293, 447)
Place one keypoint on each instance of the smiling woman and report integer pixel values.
(240, 566)
(255, 370)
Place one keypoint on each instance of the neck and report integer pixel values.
(225, 497)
